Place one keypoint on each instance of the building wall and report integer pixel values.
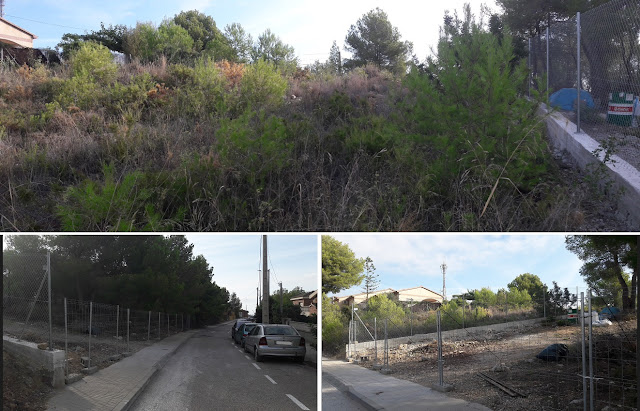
(13, 36)
(418, 294)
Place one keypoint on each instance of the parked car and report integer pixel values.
(235, 327)
(242, 332)
(275, 340)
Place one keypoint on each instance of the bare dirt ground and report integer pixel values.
(510, 358)
(22, 388)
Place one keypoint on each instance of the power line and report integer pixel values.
(49, 24)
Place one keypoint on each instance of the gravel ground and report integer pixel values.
(509, 357)
(625, 141)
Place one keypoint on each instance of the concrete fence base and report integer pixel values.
(451, 334)
(624, 177)
(49, 362)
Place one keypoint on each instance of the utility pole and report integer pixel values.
(443, 266)
(265, 283)
(257, 297)
(1, 8)
(281, 319)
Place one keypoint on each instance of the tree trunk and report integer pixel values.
(627, 301)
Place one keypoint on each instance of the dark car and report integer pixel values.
(237, 325)
(275, 340)
(241, 333)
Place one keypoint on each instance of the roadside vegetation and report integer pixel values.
(610, 268)
(153, 273)
(210, 131)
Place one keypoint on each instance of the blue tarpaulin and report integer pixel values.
(609, 312)
(554, 352)
(565, 98)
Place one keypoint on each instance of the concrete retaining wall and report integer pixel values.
(452, 334)
(50, 362)
(581, 146)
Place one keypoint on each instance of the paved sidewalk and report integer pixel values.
(384, 392)
(117, 386)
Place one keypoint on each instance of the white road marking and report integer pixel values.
(247, 357)
(298, 403)
(256, 365)
(270, 379)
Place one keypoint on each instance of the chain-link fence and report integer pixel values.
(26, 296)
(523, 361)
(91, 333)
(604, 69)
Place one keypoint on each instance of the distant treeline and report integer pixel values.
(155, 273)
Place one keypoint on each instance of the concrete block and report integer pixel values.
(442, 388)
(51, 362)
(90, 370)
(71, 378)
(564, 136)
(386, 370)
(115, 357)
(84, 361)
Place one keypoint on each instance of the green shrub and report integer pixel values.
(262, 85)
(130, 97)
(334, 327)
(201, 93)
(94, 62)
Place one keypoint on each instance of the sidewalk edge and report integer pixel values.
(348, 388)
(126, 403)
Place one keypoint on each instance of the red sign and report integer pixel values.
(621, 109)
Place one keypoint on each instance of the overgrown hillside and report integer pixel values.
(211, 145)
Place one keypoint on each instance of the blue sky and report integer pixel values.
(309, 26)
(473, 261)
(235, 258)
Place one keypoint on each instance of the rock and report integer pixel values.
(576, 402)
(500, 368)
(43, 346)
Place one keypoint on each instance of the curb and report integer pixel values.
(126, 403)
(348, 389)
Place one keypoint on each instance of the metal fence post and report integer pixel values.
(584, 360)
(548, 73)
(375, 339)
(149, 328)
(168, 333)
(579, 85)
(349, 345)
(50, 320)
(66, 339)
(386, 346)
(127, 329)
(439, 331)
(90, 331)
(117, 320)
(590, 356)
(529, 67)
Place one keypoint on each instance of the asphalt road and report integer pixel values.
(211, 372)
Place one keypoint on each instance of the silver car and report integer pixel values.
(275, 340)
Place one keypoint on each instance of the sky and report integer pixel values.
(236, 259)
(473, 261)
(309, 26)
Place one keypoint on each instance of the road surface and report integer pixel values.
(211, 372)
(334, 399)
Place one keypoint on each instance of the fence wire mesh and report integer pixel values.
(498, 356)
(25, 295)
(91, 333)
(608, 60)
